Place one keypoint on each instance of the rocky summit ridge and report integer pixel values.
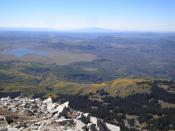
(27, 114)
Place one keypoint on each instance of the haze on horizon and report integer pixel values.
(120, 15)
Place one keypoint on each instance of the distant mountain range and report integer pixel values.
(93, 30)
(24, 29)
(82, 30)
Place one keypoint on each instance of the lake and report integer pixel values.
(20, 52)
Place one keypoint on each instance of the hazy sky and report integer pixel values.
(149, 15)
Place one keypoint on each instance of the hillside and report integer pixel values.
(122, 86)
(148, 105)
(131, 103)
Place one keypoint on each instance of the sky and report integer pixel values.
(121, 15)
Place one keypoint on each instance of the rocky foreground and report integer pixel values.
(26, 114)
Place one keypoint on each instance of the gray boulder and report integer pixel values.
(27, 112)
(92, 127)
(102, 125)
(9, 119)
(61, 110)
(80, 126)
(3, 129)
(84, 117)
(46, 115)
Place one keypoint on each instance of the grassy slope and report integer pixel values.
(32, 78)
(16, 80)
(122, 87)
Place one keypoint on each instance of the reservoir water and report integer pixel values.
(20, 52)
